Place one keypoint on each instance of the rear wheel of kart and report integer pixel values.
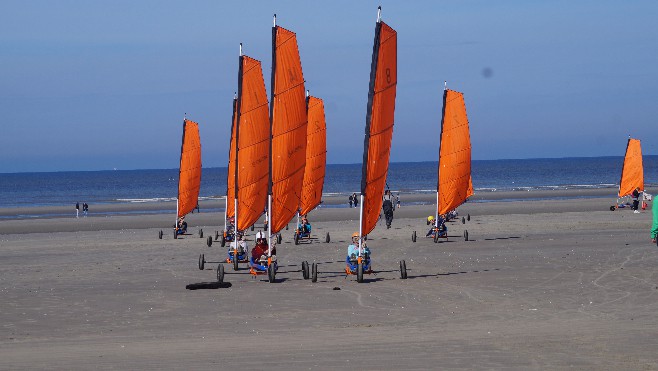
(200, 233)
(216, 235)
(271, 273)
(223, 241)
(327, 238)
(209, 241)
(413, 236)
(465, 235)
(403, 270)
(235, 260)
(612, 208)
(314, 273)
(220, 273)
(305, 270)
(436, 236)
(296, 239)
(160, 234)
(359, 273)
(252, 228)
(463, 220)
(175, 234)
(278, 238)
(202, 262)
(468, 217)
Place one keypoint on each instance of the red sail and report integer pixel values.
(289, 123)
(189, 179)
(316, 156)
(252, 138)
(379, 124)
(632, 175)
(454, 173)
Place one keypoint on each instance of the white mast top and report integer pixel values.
(241, 49)
(379, 14)
(274, 21)
(445, 85)
(308, 93)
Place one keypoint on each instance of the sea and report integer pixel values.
(158, 185)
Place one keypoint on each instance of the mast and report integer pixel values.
(179, 165)
(237, 137)
(269, 185)
(233, 128)
(438, 177)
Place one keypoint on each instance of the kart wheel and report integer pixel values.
(468, 217)
(286, 227)
(223, 241)
(278, 238)
(200, 233)
(403, 270)
(220, 273)
(252, 228)
(160, 234)
(235, 260)
(612, 208)
(436, 237)
(314, 273)
(271, 274)
(359, 273)
(465, 235)
(463, 220)
(305, 270)
(216, 235)
(209, 241)
(202, 262)
(175, 234)
(327, 238)
(413, 236)
(296, 239)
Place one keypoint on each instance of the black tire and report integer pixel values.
(403, 270)
(305, 269)
(465, 235)
(271, 274)
(160, 234)
(216, 235)
(436, 237)
(252, 228)
(314, 273)
(209, 241)
(220, 273)
(463, 220)
(202, 262)
(235, 260)
(286, 227)
(327, 239)
(296, 239)
(278, 238)
(612, 208)
(413, 236)
(468, 217)
(200, 233)
(359, 273)
(223, 241)
(175, 234)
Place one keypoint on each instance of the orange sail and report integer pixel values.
(632, 175)
(189, 179)
(289, 122)
(316, 156)
(252, 138)
(379, 124)
(454, 173)
(230, 178)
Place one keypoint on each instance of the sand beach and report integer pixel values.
(541, 284)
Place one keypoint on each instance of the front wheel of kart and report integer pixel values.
(403, 270)
(235, 260)
(296, 239)
(200, 233)
(413, 236)
(305, 270)
(314, 273)
(612, 208)
(436, 236)
(463, 220)
(359, 273)
(209, 241)
(160, 234)
(216, 235)
(223, 241)
(202, 261)
(175, 234)
(220, 273)
(465, 235)
(278, 238)
(327, 239)
(468, 217)
(271, 273)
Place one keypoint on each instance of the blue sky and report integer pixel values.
(92, 85)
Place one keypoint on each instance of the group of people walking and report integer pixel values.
(85, 209)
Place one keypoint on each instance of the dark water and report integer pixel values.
(93, 187)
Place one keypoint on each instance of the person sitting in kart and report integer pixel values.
(353, 248)
(440, 224)
(304, 227)
(259, 252)
(181, 226)
(240, 243)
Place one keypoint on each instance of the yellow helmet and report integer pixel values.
(355, 234)
(430, 218)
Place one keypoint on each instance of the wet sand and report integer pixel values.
(551, 284)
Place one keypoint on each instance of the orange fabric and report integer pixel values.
(289, 124)
(252, 137)
(632, 175)
(316, 156)
(189, 178)
(455, 184)
(381, 114)
(230, 178)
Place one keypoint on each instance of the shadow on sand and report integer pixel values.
(208, 286)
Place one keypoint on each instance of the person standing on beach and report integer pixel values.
(636, 200)
(85, 208)
(351, 199)
(77, 209)
(356, 200)
(397, 200)
(387, 207)
(654, 226)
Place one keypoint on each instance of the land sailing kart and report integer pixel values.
(305, 234)
(360, 265)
